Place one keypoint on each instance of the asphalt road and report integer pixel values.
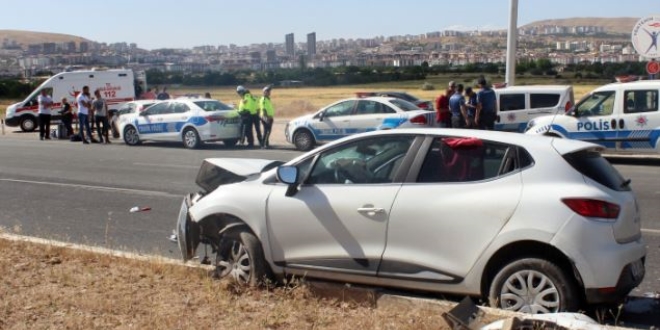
(82, 194)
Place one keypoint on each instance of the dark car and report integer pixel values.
(422, 104)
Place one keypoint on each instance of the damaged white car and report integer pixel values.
(528, 223)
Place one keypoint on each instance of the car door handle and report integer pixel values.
(622, 123)
(373, 210)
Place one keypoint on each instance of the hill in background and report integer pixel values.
(25, 38)
(618, 25)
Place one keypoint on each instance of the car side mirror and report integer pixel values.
(289, 175)
(321, 115)
(143, 113)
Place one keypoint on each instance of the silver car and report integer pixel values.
(528, 223)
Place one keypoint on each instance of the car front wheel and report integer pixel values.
(191, 139)
(241, 257)
(28, 124)
(534, 286)
(303, 140)
(131, 136)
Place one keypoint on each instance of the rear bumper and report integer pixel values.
(631, 276)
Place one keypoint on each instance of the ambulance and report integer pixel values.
(117, 86)
(621, 116)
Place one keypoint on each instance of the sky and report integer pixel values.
(185, 24)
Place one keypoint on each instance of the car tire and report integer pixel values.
(131, 136)
(241, 258)
(303, 140)
(552, 291)
(191, 138)
(28, 123)
(230, 142)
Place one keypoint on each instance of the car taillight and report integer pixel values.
(419, 120)
(568, 106)
(593, 208)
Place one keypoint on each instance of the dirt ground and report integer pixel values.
(46, 287)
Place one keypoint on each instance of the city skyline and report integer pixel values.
(152, 24)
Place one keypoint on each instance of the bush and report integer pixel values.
(427, 86)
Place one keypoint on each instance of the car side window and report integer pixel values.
(367, 161)
(640, 101)
(596, 104)
(458, 159)
(510, 102)
(367, 108)
(179, 108)
(157, 109)
(537, 100)
(341, 109)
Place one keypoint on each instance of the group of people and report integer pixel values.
(255, 113)
(90, 111)
(462, 107)
(155, 94)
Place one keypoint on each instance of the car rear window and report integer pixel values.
(404, 105)
(543, 100)
(592, 165)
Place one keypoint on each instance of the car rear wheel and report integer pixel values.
(230, 142)
(131, 136)
(28, 123)
(534, 286)
(191, 138)
(303, 140)
(241, 258)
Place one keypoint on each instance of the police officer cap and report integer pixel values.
(240, 89)
(267, 88)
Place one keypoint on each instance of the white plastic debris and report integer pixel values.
(566, 320)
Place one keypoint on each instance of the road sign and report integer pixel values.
(645, 37)
(653, 67)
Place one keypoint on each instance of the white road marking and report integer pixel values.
(102, 188)
(651, 231)
(166, 165)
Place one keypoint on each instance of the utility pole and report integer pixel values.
(512, 44)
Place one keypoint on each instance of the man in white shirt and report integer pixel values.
(45, 105)
(84, 103)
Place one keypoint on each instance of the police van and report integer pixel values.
(618, 116)
(116, 86)
(517, 105)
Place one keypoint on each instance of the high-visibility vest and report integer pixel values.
(266, 106)
(249, 104)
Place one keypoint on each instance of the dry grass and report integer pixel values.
(46, 287)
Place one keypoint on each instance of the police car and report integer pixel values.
(618, 116)
(355, 115)
(192, 121)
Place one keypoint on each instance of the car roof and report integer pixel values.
(634, 84)
(142, 102)
(535, 88)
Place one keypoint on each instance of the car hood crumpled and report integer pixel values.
(215, 172)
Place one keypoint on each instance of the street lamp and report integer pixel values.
(512, 44)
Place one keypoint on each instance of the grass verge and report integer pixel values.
(45, 286)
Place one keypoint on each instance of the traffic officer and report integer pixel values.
(249, 111)
(267, 112)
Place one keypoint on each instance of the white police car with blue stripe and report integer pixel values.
(619, 116)
(192, 121)
(355, 115)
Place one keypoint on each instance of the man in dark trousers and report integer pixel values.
(486, 106)
(249, 111)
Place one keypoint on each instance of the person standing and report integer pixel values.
(486, 106)
(45, 106)
(267, 115)
(148, 95)
(457, 108)
(163, 95)
(67, 116)
(249, 111)
(101, 117)
(84, 104)
(442, 113)
(471, 107)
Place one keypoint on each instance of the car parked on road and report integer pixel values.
(355, 115)
(422, 104)
(126, 109)
(619, 116)
(192, 121)
(517, 105)
(530, 224)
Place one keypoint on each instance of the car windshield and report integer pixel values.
(212, 105)
(404, 105)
